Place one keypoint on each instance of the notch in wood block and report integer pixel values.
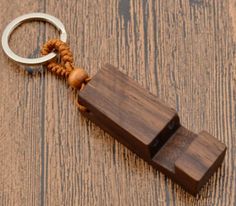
(190, 159)
(125, 110)
(151, 129)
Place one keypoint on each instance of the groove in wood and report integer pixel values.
(145, 125)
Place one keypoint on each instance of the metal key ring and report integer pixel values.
(30, 17)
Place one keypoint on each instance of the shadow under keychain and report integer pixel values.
(129, 113)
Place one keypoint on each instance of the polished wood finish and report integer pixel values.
(181, 51)
(199, 161)
(190, 159)
(125, 110)
(145, 125)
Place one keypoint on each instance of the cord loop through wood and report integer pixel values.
(77, 78)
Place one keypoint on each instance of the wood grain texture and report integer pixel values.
(150, 128)
(182, 51)
(200, 160)
(128, 112)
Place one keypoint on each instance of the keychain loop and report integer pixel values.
(30, 17)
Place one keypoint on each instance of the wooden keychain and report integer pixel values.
(129, 113)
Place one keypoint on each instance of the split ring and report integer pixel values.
(25, 18)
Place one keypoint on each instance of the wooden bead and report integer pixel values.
(77, 77)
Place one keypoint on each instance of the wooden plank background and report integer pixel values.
(181, 50)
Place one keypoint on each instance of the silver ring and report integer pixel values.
(29, 17)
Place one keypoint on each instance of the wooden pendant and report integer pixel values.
(151, 129)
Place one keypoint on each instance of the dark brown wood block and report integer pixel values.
(125, 110)
(199, 161)
(190, 159)
(151, 129)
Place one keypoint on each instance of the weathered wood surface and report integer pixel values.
(181, 51)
